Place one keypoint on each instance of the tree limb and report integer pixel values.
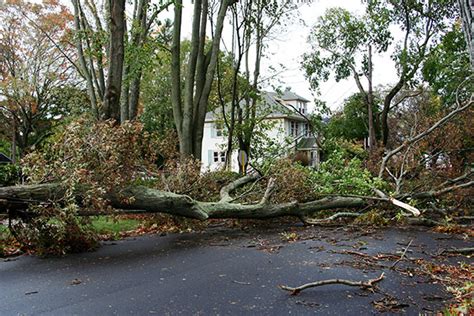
(421, 135)
(369, 284)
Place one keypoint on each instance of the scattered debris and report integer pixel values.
(76, 282)
(389, 304)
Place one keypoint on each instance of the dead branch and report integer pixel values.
(316, 221)
(369, 284)
(423, 134)
(268, 191)
(437, 193)
(402, 256)
(398, 203)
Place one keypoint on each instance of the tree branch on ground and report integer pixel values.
(369, 284)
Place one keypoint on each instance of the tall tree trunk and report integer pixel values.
(467, 14)
(124, 96)
(82, 61)
(370, 105)
(176, 74)
(14, 142)
(190, 114)
(204, 99)
(111, 108)
(139, 39)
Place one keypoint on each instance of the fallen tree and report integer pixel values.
(136, 199)
(142, 199)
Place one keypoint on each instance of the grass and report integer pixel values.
(103, 225)
(106, 225)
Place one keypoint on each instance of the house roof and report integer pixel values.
(306, 143)
(289, 95)
(4, 159)
(272, 106)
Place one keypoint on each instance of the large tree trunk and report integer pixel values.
(190, 113)
(154, 201)
(111, 108)
(467, 14)
(370, 105)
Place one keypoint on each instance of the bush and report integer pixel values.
(343, 173)
(9, 174)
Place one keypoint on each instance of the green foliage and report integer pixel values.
(344, 173)
(9, 174)
(339, 44)
(448, 65)
(351, 122)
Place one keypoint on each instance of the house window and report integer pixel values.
(306, 129)
(219, 156)
(294, 129)
(218, 130)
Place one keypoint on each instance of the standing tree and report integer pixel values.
(34, 68)
(343, 44)
(112, 51)
(253, 22)
(423, 23)
(347, 44)
(467, 13)
(189, 110)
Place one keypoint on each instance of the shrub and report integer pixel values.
(9, 174)
(342, 174)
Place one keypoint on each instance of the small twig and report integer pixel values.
(362, 284)
(402, 256)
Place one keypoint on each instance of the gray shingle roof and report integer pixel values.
(306, 143)
(288, 95)
(271, 105)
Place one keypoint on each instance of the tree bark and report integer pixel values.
(155, 201)
(82, 61)
(370, 103)
(111, 107)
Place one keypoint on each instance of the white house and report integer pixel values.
(286, 111)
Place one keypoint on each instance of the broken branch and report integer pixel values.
(362, 284)
(402, 256)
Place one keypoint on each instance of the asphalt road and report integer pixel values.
(226, 271)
